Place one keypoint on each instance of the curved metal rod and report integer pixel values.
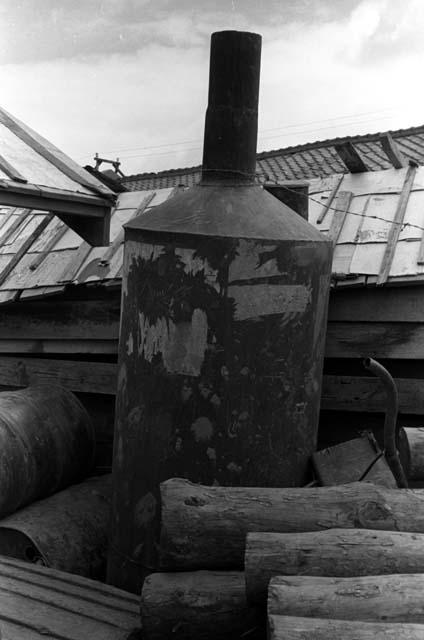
(392, 406)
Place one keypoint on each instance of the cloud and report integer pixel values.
(47, 30)
(151, 92)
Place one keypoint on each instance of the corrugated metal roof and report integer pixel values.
(306, 161)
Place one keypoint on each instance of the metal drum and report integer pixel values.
(46, 443)
(67, 531)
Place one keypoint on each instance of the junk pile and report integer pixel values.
(313, 556)
(51, 512)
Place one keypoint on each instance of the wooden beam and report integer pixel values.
(396, 227)
(350, 157)
(377, 340)
(10, 171)
(84, 377)
(393, 152)
(341, 205)
(57, 346)
(4, 237)
(363, 394)
(386, 304)
(87, 215)
(71, 320)
(52, 154)
(327, 205)
(24, 248)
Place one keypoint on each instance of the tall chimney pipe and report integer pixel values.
(231, 126)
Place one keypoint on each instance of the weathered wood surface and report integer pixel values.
(37, 603)
(375, 340)
(392, 151)
(386, 598)
(352, 461)
(389, 304)
(206, 527)
(351, 157)
(294, 628)
(364, 394)
(396, 227)
(203, 604)
(77, 320)
(88, 377)
(413, 442)
(336, 552)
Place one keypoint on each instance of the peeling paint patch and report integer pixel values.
(253, 301)
(181, 345)
(193, 264)
(143, 250)
(250, 262)
(202, 429)
(130, 344)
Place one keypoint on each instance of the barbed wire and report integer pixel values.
(403, 225)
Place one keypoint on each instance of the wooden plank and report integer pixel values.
(53, 155)
(24, 248)
(11, 171)
(329, 202)
(59, 233)
(8, 296)
(396, 225)
(341, 206)
(85, 377)
(386, 304)
(37, 603)
(74, 265)
(363, 394)
(392, 151)
(350, 157)
(15, 224)
(40, 292)
(376, 340)
(73, 320)
(63, 347)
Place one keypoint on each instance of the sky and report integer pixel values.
(128, 78)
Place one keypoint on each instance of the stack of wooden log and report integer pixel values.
(344, 561)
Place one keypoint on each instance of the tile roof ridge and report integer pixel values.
(329, 142)
(262, 155)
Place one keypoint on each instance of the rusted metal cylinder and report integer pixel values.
(46, 443)
(231, 123)
(67, 531)
(225, 293)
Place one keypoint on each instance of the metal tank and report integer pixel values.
(46, 443)
(224, 304)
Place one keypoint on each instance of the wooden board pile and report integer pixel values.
(344, 561)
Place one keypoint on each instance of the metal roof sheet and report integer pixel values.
(34, 173)
(59, 257)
